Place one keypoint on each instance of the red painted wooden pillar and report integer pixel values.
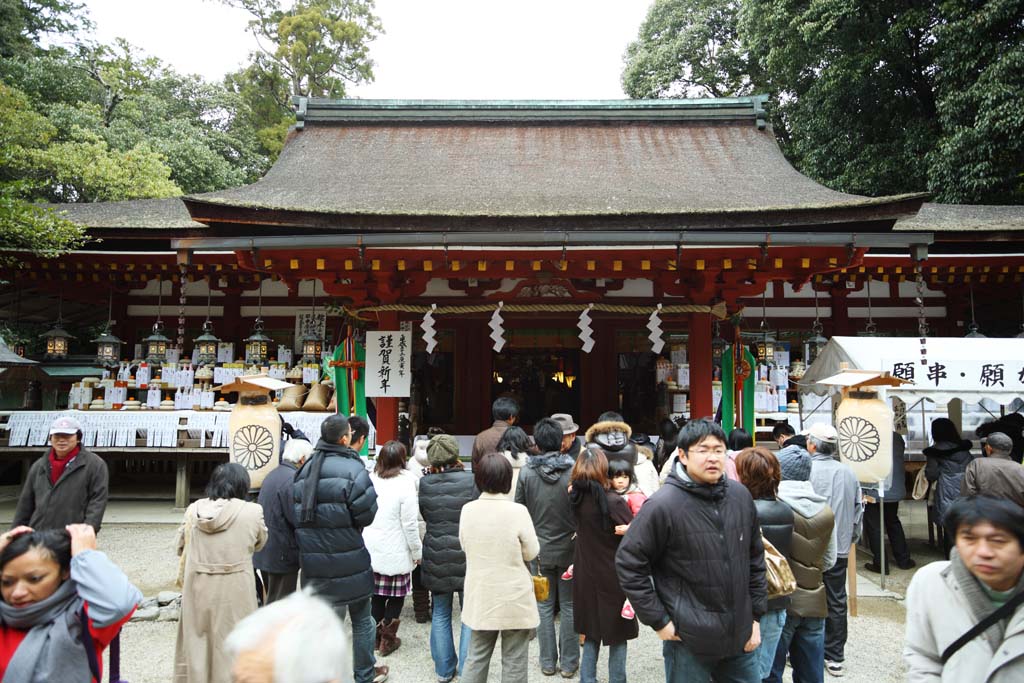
(387, 408)
(699, 355)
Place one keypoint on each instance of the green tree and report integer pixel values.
(687, 48)
(25, 226)
(36, 164)
(25, 23)
(317, 46)
(980, 156)
(854, 87)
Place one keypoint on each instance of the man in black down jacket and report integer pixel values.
(698, 539)
(334, 502)
(543, 487)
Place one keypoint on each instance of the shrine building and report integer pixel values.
(383, 209)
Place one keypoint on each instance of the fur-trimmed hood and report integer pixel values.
(642, 453)
(607, 427)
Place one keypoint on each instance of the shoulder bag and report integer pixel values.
(1006, 610)
(781, 581)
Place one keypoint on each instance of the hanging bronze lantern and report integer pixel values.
(257, 345)
(156, 344)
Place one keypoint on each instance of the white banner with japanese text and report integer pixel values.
(953, 375)
(388, 364)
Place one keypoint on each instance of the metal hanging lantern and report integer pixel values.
(257, 344)
(156, 343)
(765, 345)
(973, 331)
(58, 340)
(718, 344)
(206, 343)
(816, 342)
(108, 345)
(312, 342)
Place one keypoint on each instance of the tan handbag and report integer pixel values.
(781, 581)
(541, 585)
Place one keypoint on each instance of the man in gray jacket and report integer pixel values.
(543, 487)
(838, 484)
(66, 486)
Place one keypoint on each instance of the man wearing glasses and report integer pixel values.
(692, 565)
(66, 486)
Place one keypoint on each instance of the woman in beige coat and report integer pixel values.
(216, 542)
(498, 538)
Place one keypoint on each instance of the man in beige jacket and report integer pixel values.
(946, 600)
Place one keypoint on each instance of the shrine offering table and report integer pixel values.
(184, 437)
(181, 457)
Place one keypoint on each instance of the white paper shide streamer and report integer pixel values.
(498, 328)
(429, 334)
(654, 325)
(586, 335)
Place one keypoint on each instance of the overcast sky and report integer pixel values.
(445, 49)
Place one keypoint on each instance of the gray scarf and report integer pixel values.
(979, 602)
(52, 650)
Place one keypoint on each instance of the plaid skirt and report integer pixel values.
(392, 586)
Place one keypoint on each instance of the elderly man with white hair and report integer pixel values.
(278, 562)
(273, 644)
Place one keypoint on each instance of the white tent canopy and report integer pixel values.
(969, 369)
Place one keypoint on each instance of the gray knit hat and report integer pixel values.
(999, 442)
(442, 450)
(795, 464)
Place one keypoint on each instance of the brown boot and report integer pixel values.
(421, 605)
(389, 640)
(380, 673)
(376, 642)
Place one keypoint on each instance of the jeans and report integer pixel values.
(772, 624)
(803, 638)
(363, 632)
(682, 666)
(616, 662)
(568, 643)
(442, 644)
(835, 622)
(893, 529)
(515, 656)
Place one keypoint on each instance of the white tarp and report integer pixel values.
(969, 369)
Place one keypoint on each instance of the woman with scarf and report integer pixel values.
(602, 517)
(63, 603)
(216, 543)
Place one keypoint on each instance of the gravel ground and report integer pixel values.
(145, 552)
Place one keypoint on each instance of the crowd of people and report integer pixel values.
(735, 555)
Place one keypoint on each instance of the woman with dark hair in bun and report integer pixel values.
(216, 543)
(63, 602)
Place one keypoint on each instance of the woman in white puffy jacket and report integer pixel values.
(393, 541)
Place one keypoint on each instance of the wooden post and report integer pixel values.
(699, 356)
(182, 483)
(387, 408)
